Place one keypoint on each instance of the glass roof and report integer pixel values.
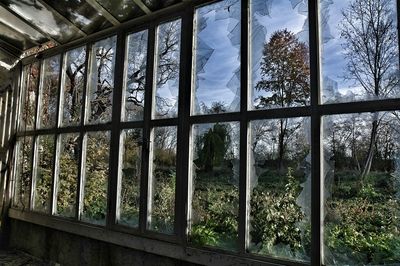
(28, 25)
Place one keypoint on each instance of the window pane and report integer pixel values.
(214, 195)
(216, 65)
(359, 62)
(101, 81)
(161, 205)
(72, 86)
(280, 71)
(28, 98)
(165, 102)
(95, 181)
(280, 188)
(67, 180)
(48, 96)
(361, 182)
(130, 176)
(23, 173)
(135, 76)
(43, 173)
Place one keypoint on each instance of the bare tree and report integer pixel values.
(370, 47)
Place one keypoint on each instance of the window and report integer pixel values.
(230, 129)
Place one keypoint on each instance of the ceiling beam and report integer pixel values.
(142, 6)
(20, 34)
(29, 23)
(103, 12)
(10, 49)
(64, 19)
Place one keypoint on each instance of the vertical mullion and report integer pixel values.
(53, 193)
(115, 131)
(81, 168)
(316, 239)
(185, 91)
(243, 125)
(146, 129)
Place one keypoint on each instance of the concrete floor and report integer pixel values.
(18, 258)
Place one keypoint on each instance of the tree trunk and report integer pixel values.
(371, 149)
(281, 145)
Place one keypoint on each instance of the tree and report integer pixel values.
(285, 75)
(370, 47)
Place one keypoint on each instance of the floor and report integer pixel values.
(18, 258)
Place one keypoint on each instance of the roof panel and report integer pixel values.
(123, 10)
(81, 14)
(15, 38)
(158, 4)
(40, 16)
(12, 21)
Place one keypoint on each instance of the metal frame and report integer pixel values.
(177, 245)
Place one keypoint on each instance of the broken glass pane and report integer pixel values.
(95, 179)
(43, 176)
(73, 84)
(23, 174)
(123, 10)
(214, 212)
(280, 185)
(280, 71)
(162, 180)
(129, 177)
(165, 101)
(359, 62)
(83, 15)
(48, 92)
(101, 81)
(27, 107)
(44, 18)
(67, 174)
(217, 58)
(135, 76)
(361, 207)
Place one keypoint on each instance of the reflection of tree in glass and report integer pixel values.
(24, 173)
(73, 88)
(28, 108)
(371, 48)
(168, 54)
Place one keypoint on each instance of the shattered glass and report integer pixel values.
(165, 99)
(217, 58)
(73, 83)
(48, 92)
(135, 76)
(270, 22)
(356, 63)
(361, 189)
(101, 81)
(43, 18)
(83, 15)
(123, 10)
(280, 188)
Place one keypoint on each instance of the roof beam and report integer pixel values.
(18, 33)
(142, 6)
(10, 49)
(103, 12)
(64, 19)
(29, 23)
